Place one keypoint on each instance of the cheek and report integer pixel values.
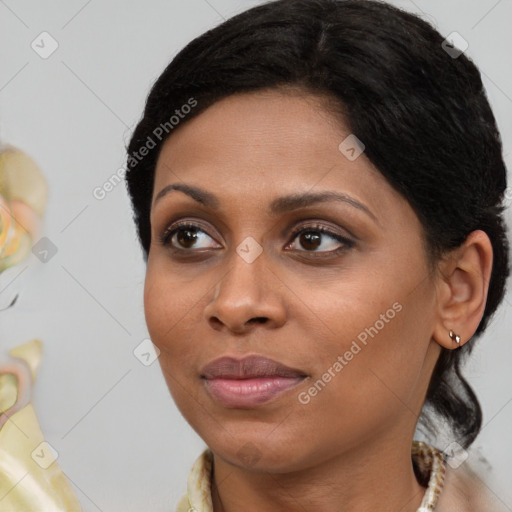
(346, 314)
(359, 389)
(372, 340)
(170, 300)
(174, 311)
(156, 314)
(169, 307)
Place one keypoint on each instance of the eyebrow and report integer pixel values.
(277, 206)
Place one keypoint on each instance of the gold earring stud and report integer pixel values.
(455, 337)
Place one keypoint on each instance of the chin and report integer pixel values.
(254, 450)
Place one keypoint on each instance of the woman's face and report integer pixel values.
(299, 252)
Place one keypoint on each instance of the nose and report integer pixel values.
(247, 294)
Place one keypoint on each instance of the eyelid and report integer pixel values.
(324, 224)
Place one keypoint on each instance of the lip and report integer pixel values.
(248, 382)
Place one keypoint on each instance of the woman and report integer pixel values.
(317, 187)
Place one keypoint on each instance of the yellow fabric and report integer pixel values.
(8, 391)
(30, 478)
(21, 179)
(24, 484)
(31, 353)
(23, 195)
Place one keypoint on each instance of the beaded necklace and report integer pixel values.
(429, 461)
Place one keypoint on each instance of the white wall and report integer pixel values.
(119, 436)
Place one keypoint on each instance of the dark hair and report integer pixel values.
(421, 112)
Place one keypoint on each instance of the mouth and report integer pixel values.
(248, 382)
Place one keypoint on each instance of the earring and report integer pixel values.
(455, 337)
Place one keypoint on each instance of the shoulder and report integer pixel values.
(466, 490)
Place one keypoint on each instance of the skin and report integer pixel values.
(348, 448)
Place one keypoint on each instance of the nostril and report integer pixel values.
(216, 322)
(259, 319)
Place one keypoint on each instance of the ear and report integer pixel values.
(462, 289)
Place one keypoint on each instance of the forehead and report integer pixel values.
(256, 126)
(269, 143)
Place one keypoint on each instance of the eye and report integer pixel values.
(186, 236)
(320, 239)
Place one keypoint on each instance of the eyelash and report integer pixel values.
(166, 237)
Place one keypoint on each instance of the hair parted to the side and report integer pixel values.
(423, 116)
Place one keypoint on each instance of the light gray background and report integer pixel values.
(119, 436)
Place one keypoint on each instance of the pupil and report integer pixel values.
(187, 237)
(310, 240)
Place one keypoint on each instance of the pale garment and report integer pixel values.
(31, 480)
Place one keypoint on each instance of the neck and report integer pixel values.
(376, 476)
